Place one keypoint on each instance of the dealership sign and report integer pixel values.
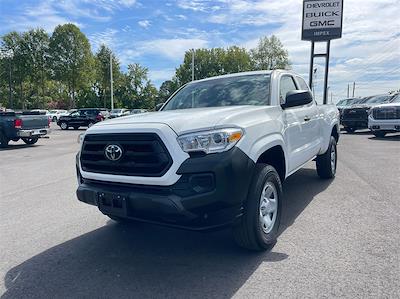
(322, 20)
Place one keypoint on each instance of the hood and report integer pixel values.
(387, 105)
(192, 119)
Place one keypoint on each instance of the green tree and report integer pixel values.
(269, 54)
(71, 59)
(103, 79)
(167, 88)
(13, 42)
(35, 47)
(213, 62)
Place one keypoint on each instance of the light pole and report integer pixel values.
(111, 82)
(8, 54)
(192, 64)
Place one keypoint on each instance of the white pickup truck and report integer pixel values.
(215, 154)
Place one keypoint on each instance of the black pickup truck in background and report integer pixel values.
(28, 126)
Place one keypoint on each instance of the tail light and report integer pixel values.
(18, 123)
(48, 121)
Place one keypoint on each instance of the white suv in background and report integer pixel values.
(385, 118)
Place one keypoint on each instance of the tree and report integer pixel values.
(269, 54)
(35, 47)
(103, 79)
(70, 58)
(213, 62)
(167, 88)
(13, 42)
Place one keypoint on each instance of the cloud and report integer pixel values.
(161, 75)
(144, 23)
(173, 49)
(107, 37)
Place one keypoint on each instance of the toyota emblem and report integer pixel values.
(113, 152)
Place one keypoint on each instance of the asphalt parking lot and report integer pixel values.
(339, 238)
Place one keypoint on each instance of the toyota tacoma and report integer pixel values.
(214, 155)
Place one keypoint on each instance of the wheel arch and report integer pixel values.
(275, 156)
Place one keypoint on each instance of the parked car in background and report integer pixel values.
(28, 126)
(385, 118)
(345, 103)
(81, 118)
(119, 112)
(138, 111)
(54, 115)
(355, 117)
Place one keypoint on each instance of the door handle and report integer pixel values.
(307, 118)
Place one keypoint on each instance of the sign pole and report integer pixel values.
(322, 22)
(328, 50)
(310, 79)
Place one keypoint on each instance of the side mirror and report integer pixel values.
(297, 98)
(158, 106)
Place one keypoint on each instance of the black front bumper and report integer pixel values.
(209, 194)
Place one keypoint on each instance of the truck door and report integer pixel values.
(301, 127)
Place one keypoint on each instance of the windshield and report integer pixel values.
(378, 99)
(229, 91)
(396, 99)
(116, 111)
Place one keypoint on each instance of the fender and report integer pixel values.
(255, 150)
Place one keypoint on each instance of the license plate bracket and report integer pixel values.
(112, 203)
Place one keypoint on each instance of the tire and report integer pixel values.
(252, 231)
(64, 125)
(3, 140)
(349, 129)
(327, 162)
(32, 140)
(54, 119)
(379, 134)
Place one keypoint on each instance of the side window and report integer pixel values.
(287, 84)
(74, 113)
(302, 84)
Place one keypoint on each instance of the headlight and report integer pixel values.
(80, 138)
(214, 141)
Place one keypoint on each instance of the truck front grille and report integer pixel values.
(355, 113)
(143, 154)
(387, 113)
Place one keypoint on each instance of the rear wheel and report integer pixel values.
(259, 225)
(379, 134)
(64, 126)
(327, 162)
(31, 140)
(3, 140)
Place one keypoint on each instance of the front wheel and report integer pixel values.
(327, 162)
(259, 225)
(3, 140)
(31, 140)
(379, 134)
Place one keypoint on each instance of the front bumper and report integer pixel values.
(33, 133)
(387, 125)
(210, 193)
(355, 123)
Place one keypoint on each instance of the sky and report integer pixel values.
(157, 33)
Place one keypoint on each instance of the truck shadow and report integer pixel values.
(16, 146)
(149, 261)
(386, 138)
